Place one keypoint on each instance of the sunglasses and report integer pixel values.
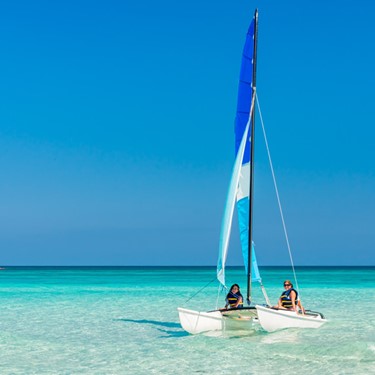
(287, 284)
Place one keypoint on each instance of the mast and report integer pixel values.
(251, 193)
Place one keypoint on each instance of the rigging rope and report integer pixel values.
(200, 290)
(277, 195)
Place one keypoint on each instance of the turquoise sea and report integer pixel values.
(124, 320)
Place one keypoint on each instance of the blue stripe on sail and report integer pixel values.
(243, 211)
(255, 275)
(245, 92)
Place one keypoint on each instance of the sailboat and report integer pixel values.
(240, 195)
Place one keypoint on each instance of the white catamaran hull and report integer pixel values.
(272, 319)
(197, 321)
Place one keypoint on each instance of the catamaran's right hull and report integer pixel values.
(272, 319)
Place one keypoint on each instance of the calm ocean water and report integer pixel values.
(124, 321)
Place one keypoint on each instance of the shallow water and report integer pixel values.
(124, 321)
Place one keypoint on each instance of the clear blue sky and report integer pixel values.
(116, 130)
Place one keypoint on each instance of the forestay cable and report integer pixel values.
(200, 290)
(277, 194)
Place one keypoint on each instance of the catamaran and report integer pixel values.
(240, 194)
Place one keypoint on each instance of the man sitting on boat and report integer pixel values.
(234, 298)
(289, 298)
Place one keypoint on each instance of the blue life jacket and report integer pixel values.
(233, 298)
(286, 300)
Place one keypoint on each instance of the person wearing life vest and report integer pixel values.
(289, 298)
(234, 297)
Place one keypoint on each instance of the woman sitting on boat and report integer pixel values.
(289, 298)
(234, 297)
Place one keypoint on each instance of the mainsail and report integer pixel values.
(239, 188)
(246, 94)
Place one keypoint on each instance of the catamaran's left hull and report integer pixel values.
(219, 320)
(197, 321)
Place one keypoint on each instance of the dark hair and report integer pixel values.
(238, 294)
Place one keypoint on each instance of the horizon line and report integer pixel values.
(175, 266)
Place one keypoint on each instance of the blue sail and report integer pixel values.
(240, 179)
(244, 104)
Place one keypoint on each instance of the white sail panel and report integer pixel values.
(244, 182)
(229, 209)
